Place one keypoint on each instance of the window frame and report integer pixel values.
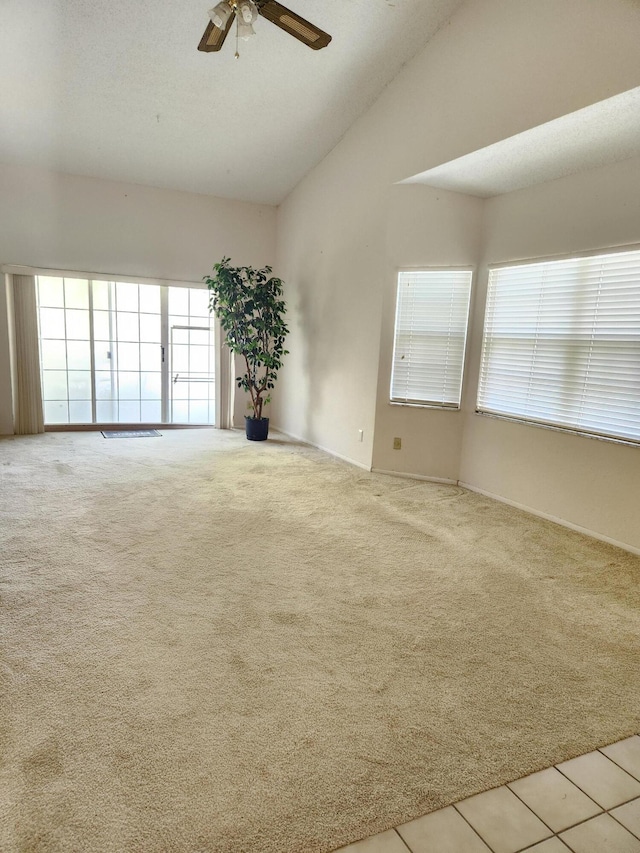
(433, 268)
(541, 424)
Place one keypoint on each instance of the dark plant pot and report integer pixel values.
(257, 429)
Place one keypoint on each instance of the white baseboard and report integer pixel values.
(561, 521)
(408, 476)
(547, 516)
(324, 449)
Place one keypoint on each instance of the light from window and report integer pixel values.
(431, 328)
(562, 344)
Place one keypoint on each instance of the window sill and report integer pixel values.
(435, 406)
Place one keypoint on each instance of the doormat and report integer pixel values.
(130, 433)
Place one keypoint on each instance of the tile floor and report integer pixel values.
(590, 804)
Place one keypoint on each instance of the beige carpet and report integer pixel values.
(215, 645)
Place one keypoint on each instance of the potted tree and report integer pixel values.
(249, 306)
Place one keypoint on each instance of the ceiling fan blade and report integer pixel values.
(293, 24)
(214, 37)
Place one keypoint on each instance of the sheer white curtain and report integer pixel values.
(29, 416)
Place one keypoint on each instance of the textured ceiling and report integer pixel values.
(602, 133)
(118, 89)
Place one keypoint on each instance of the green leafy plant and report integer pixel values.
(249, 306)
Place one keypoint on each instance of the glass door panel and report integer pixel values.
(128, 353)
(192, 357)
(65, 350)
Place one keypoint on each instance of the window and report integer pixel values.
(431, 329)
(124, 352)
(562, 344)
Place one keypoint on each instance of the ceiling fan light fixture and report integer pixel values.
(248, 11)
(245, 30)
(220, 14)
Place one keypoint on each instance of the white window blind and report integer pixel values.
(431, 329)
(562, 344)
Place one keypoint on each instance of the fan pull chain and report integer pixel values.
(237, 55)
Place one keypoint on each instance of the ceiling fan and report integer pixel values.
(247, 11)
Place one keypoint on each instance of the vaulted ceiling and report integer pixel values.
(118, 90)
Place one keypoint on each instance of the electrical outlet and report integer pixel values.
(360, 435)
(397, 443)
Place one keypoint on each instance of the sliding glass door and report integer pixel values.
(115, 352)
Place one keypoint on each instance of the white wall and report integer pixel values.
(69, 222)
(590, 483)
(426, 227)
(331, 257)
(72, 223)
(497, 68)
